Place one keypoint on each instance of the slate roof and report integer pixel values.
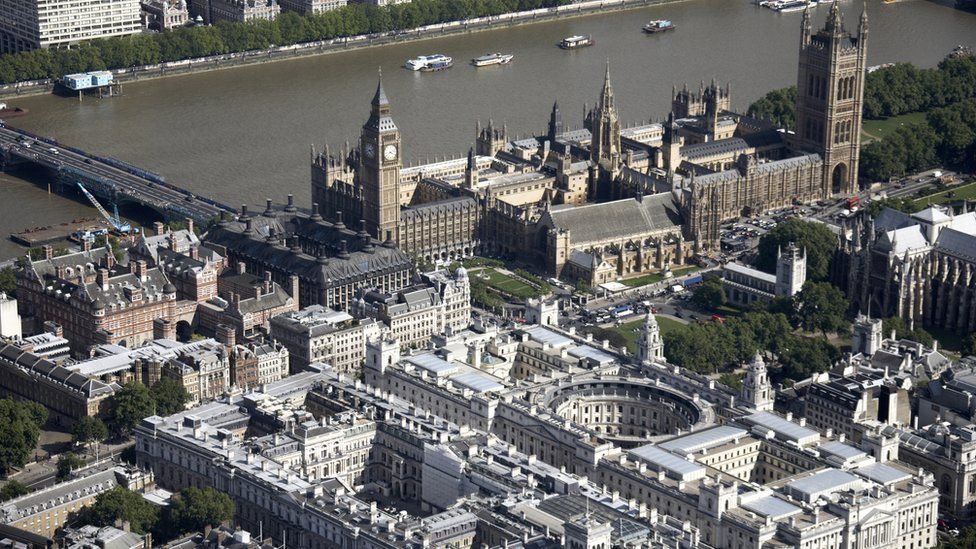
(366, 257)
(48, 268)
(274, 299)
(619, 219)
(11, 356)
(763, 168)
(889, 220)
(713, 148)
(957, 243)
(450, 205)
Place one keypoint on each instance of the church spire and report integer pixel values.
(606, 98)
(379, 99)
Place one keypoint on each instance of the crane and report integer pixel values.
(115, 221)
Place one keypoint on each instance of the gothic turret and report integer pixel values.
(555, 123)
(605, 145)
(471, 170)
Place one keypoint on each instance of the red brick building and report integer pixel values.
(94, 299)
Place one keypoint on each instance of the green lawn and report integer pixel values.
(877, 129)
(961, 192)
(506, 284)
(657, 277)
(630, 330)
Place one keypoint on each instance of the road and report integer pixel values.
(172, 202)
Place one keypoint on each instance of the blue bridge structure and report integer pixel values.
(113, 181)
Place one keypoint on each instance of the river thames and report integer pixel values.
(243, 134)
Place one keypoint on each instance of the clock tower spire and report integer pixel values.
(379, 168)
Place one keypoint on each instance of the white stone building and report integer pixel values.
(32, 24)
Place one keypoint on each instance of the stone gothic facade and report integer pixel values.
(605, 202)
(919, 267)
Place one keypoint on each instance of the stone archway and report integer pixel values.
(838, 178)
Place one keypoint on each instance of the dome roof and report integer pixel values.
(168, 288)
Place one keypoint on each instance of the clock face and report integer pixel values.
(369, 150)
(390, 152)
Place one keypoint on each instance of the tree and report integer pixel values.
(816, 238)
(67, 463)
(20, 427)
(731, 380)
(133, 402)
(897, 325)
(820, 306)
(170, 396)
(802, 356)
(709, 295)
(969, 345)
(13, 489)
(8, 281)
(902, 204)
(193, 509)
(119, 504)
(87, 430)
(778, 105)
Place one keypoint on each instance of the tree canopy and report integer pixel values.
(13, 489)
(710, 347)
(170, 396)
(816, 238)
(709, 295)
(897, 325)
(778, 105)
(133, 402)
(20, 427)
(820, 306)
(67, 463)
(193, 509)
(902, 204)
(228, 37)
(119, 504)
(87, 430)
(8, 280)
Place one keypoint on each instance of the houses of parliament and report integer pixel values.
(605, 202)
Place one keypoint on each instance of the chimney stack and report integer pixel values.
(293, 282)
(102, 279)
(267, 282)
(159, 228)
(164, 329)
(189, 225)
(226, 335)
(48, 251)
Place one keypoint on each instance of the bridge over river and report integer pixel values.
(111, 180)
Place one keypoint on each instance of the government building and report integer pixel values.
(604, 202)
